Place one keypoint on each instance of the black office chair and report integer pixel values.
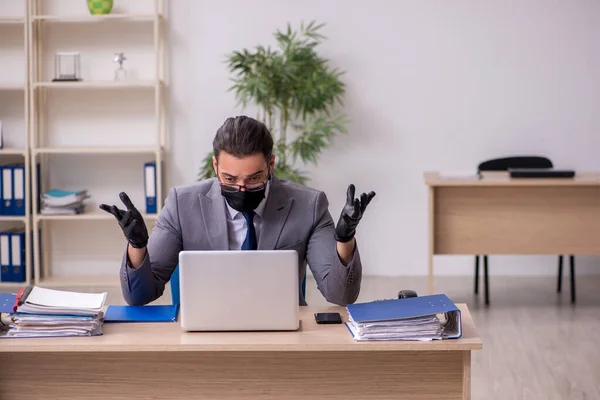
(503, 164)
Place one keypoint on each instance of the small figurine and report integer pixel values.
(120, 73)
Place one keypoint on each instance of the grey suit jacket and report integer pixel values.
(194, 218)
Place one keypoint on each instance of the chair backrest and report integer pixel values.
(502, 164)
(175, 286)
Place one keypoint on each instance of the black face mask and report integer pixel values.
(244, 201)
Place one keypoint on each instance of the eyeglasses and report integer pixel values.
(257, 183)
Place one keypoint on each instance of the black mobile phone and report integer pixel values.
(328, 318)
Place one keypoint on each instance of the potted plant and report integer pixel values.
(295, 91)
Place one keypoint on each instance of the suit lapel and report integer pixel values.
(276, 213)
(212, 205)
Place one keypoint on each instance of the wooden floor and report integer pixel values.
(536, 344)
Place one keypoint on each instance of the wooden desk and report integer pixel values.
(500, 215)
(159, 361)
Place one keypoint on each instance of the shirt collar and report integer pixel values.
(233, 213)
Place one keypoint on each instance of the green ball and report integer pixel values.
(98, 7)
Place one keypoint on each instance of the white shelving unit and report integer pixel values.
(14, 114)
(70, 146)
(12, 21)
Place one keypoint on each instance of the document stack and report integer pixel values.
(57, 202)
(415, 318)
(40, 312)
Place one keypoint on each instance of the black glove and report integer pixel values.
(130, 221)
(351, 215)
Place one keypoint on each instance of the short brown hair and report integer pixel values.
(243, 136)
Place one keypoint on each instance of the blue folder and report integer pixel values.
(398, 309)
(7, 302)
(152, 313)
(150, 187)
(18, 190)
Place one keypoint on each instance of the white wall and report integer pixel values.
(431, 86)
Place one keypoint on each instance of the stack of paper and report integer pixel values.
(41, 312)
(419, 328)
(416, 318)
(58, 201)
(36, 325)
(460, 174)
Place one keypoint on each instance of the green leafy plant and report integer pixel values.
(295, 92)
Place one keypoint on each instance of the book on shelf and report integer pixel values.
(12, 189)
(150, 187)
(64, 202)
(41, 312)
(12, 255)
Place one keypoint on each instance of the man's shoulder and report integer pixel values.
(194, 189)
(300, 191)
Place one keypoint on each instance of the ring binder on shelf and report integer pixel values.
(5, 264)
(19, 190)
(150, 187)
(7, 190)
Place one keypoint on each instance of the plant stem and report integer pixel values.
(283, 123)
(270, 121)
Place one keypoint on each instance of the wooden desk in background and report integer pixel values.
(500, 215)
(159, 361)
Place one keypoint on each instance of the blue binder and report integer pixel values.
(5, 262)
(7, 302)
(398, 309)
(8, 189)
(17, 257)
(152, 313)
(18, 179)
(2, 212)
(150, 187)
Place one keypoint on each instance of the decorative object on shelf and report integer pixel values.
(100, 7)
(120, 73)
(67, 67)
(292, 87)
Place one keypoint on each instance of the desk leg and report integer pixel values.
(431, 237)
(467, 375)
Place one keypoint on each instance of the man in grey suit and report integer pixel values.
(245, 208)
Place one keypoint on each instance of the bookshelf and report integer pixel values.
(95, 133)
(14, 115)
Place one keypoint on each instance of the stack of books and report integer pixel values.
(41, 312)
(69, 202)
(415, 318)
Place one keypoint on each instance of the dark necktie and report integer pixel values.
(250, 241)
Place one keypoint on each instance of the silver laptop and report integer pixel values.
(239, 290)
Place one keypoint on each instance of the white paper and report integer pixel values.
(461, 174)
(64, 299)
(419, 328)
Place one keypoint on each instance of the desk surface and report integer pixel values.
(168, 336)
(504, 179)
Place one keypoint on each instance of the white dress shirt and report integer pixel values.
(236, 223)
